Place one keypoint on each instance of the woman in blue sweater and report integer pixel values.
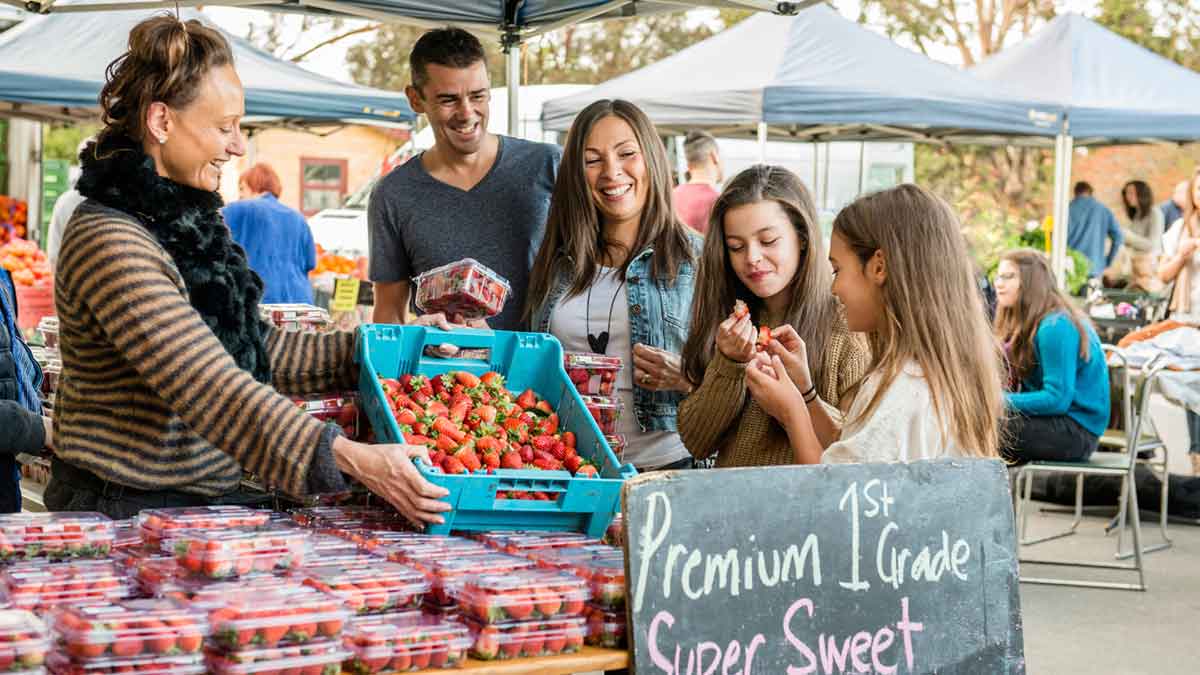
(1059, 399)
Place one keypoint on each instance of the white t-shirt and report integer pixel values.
(1170, 246)
(570, 323)
(903, 427)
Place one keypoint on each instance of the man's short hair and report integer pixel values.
(449, 47)
(1083, 188)
(697, 145)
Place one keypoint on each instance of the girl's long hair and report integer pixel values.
(811, 309)
(1038, 297)
(933, 311)
(574, 227)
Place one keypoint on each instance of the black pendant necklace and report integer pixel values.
(599, 343)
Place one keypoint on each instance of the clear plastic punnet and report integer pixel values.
(448, 574)
(382, 588)
(56, 536)
(467, 288)
(24, 641)
(281, 617)
(605, 577)
(424, 551)
(521, 639)
(319, 659)
(157, 627)
(59, 663)
(405, 644)
(523, 544)
(522, 595)
(160, 524)
(593, 374)
(606, 411)
(225, 554)
(39, 586)
(606, 628)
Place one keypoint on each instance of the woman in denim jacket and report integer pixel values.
(616, 270)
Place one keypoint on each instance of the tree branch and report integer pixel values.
(333, 40)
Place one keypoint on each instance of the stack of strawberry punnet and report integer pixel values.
(399, 644)
(24, 642)
(55, 536)
(473, 423)
(595, 378)
(465, 288)
(241, 552)
(42, 586)
(288, 619)
(296, 317)
(159, 636)
(160, 526)
(525, 613)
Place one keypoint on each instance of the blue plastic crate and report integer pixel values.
(527, 361)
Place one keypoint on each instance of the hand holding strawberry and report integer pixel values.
(773, 389)
(736, 337)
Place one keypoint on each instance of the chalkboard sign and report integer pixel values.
(866, 568)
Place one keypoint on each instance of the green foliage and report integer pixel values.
(62, 141)
(1077, 265)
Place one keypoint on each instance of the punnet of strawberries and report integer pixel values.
(474, 423)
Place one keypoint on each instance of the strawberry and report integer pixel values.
(526, 453)
(543, 443)
(406, 416)
(445, 427)
(550, 426)
(559, 450)
(587, 471)
(459, 409)
(487, 413)
(437, 409)
(446, 444)
(527, 399)
(491, 460)
(417, 439)
(547, 464)
(436, 457)
(489, 444)
(740, 309)
(568, 438)
(519, 605)
(764, 338)
(517, 430)
(511, 460)
(452, 465)
(467, 379)
(487, 643)
(544, 407)
(492, 379)
(469, 459)
(572, 463)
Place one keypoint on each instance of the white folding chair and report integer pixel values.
(1119, 464)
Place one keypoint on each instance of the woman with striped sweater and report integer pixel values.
(170, 380)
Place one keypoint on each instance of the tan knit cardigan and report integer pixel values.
(149, 397)
(719, 416)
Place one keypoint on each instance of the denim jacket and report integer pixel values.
(659, 314)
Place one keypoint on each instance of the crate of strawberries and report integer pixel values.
(510, 438)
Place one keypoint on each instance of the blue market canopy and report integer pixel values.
(52, 68)
(816, 75)
(1111, 89)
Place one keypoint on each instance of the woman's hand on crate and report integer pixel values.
(388, 471)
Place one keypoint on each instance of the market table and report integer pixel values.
(589, 659)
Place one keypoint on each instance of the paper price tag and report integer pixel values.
(345, 295)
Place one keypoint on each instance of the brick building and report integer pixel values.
(1108, 169)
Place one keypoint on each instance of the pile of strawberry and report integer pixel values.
(472, 423)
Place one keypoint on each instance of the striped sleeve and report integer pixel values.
(123, 277)
(307, 363)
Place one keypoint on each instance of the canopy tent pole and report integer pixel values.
(512, 62)
(762, 142)
(1063, 149)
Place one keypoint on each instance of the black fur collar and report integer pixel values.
(188, 224)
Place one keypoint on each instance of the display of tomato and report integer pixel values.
(331, 263)
(526, 638)
(310, 659)
(467, 288)
(279, 617)
(521, 595)
(605, 628)
(55, 535)
(159, 525)
(406, 644)
(224, 554)
(384, 587)
(26, 262)
(129, 628)
(24, 641)
(39, 586)
(472, 423)
(593, 374)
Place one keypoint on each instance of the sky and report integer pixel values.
(331, 60)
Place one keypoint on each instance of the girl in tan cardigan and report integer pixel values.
(764, 248)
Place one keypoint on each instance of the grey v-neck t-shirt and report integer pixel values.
(418, 223)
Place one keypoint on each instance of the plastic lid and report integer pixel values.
(384, 587)
(481, 564)
(277, 617)
(55, 534)
(20, 629)
(523, 595)
(464, 264)
(406, 644)
(525, 543)
(325, 658)
(602, 402)
(130, 628)
(430, 550)
(39, 586)
(160, 521)
(592, 361)
(60, 663)
(221, 554)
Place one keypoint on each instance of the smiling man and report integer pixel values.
(472, 195)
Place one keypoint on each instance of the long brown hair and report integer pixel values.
(811, 309)
(1038, 297)
(574, 228)
(166, 62)
(933, 311)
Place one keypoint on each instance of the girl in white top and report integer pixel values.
(934, 388)
(1181, 255)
